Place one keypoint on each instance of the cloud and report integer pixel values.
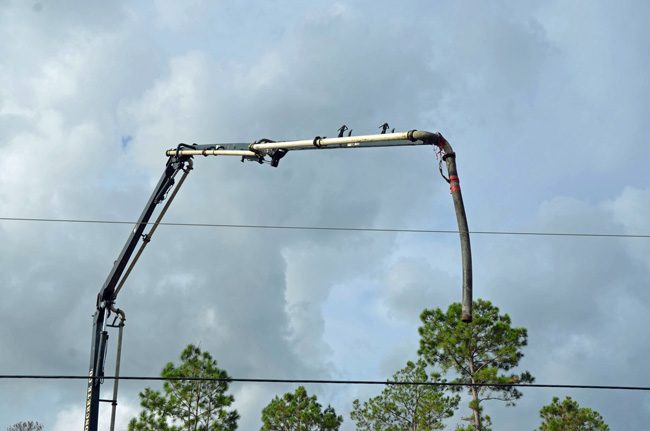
(411, 284)
(579, 300)
(72, 417)
(532, 115)
(175, 16)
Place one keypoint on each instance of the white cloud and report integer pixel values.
(72, 417)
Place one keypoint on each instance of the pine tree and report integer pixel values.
(185, 404)
(481, 352)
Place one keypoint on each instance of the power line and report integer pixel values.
(321, 381)
(335, 228)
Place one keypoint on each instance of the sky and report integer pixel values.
(545, 103)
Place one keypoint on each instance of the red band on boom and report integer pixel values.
(453, 183)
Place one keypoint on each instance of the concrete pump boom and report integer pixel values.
(264, 150)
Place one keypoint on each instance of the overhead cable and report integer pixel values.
(334, 228)
(322, 381)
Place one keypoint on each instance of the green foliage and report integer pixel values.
(569, 416)
(26, 426)
(299, 412)
(406, 407)
(483, 351)
(188, 405)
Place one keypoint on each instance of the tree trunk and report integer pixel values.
(475, 401)
(477, 413)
